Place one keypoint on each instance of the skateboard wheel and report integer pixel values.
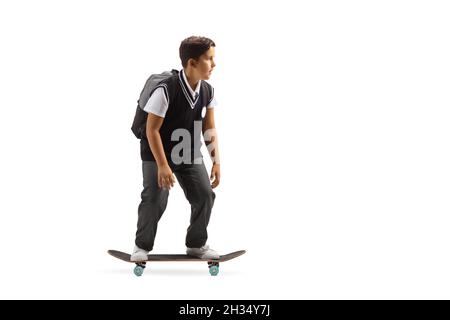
(214, 270)
(138, 270)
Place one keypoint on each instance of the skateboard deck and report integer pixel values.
(213, 264)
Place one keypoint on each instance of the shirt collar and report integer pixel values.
(192, 92)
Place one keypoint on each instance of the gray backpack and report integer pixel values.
(140, 118)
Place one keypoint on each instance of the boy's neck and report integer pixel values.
(191, 80)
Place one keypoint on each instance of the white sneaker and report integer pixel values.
(203, 253)
(138, 254)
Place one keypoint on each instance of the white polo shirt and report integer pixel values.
(158, 105)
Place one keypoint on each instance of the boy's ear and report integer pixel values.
(192, 62)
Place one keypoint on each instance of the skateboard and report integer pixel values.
(140, 266)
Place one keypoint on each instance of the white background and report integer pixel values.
(333, 124)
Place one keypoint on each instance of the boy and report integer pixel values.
(183, 104)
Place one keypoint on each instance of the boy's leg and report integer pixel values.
(194, 181)
(151, 208)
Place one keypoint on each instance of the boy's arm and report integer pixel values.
(165, 176)
(212, 144)
(210, 135)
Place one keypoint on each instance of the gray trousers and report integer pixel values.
(194, 180)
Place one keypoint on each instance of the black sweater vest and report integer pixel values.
(185, 113)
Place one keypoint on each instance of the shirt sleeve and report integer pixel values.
(157, 103)
(212, 104)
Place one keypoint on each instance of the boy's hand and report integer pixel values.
(215, 174)
(166, 179)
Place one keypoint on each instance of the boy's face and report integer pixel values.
(205, 64)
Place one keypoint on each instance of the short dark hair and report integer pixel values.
(193, 47)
